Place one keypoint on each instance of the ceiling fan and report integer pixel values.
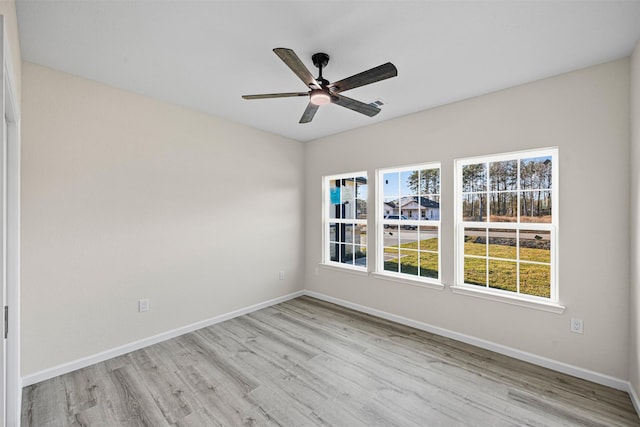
(321, 91)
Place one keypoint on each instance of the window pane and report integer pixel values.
(418, 213)
(502, 243)
(347, 254)
(409, 183)
(361, 197)
(535, 245)
(474, 207)
(475, 240)
(430, 208)
(428, 238)
(535, 173)
(391, 185)
(475, 271)
(430, 181)
(346, 233)
(360, 234)
(503, 175)
(409, 208)
(348, 198)
(409, 262)
(391, 236)
(391, 206)
(503, 275)
(429, 265)
(334, 232)
(334, 199)
(535, 279)
(409, 238)
(361, 209)
(391, 262)
(474, 177)
(360, 255)
(535, 206)
(336, 211)
(503, 207)
(334, 249)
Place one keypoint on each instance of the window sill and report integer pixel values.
(344, 268)
(514, 300)
(408, 281)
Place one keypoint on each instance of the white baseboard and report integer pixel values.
(634, 397)
(555, 365)
(488, 345)
(127, 348)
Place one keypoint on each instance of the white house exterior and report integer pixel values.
(413, 207)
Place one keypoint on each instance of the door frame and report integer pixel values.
(11, 110)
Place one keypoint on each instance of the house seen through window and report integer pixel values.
(409, 242)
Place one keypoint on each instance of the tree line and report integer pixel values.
(500, 180)
(424, 182)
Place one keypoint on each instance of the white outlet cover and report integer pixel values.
(143, 305)
(577, 326)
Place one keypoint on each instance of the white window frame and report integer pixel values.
(380, 272)
(552, 227)
(327, 220)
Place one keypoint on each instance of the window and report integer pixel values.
(345, 224)
(409, 231)
(506, 215)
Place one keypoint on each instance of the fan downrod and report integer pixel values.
(320, 60)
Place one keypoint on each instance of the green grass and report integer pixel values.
(471, 248)
(413, 260)
(420, 258)
(503, 275)
(535, 279)
(475, 271)
(505, 251)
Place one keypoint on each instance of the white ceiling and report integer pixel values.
(206, 54)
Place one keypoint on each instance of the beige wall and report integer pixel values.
(125, 197)
(8, 10)
(634, 341)
(586, 115)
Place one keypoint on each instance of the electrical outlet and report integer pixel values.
(143, 305)
(281, 275)
(577, 326)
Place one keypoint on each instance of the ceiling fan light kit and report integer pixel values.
(319, 97)
(323, 92)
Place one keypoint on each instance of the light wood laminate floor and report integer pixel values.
(310, 363)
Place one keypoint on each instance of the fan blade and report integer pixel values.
(352, 104)
(275, 95)
(290, 58)
(309, 112)
(381, 72)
